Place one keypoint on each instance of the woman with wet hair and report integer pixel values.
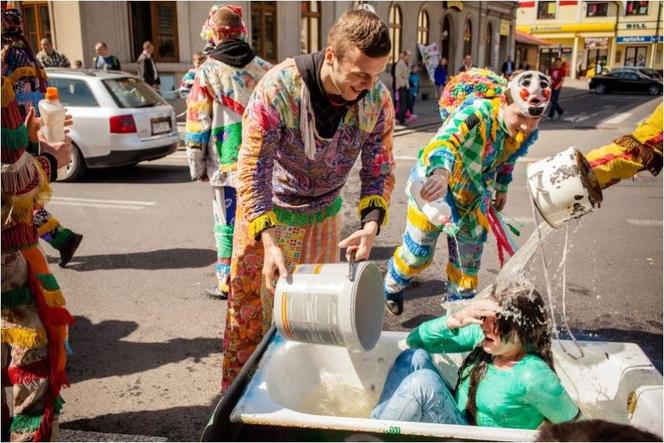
(507, 380)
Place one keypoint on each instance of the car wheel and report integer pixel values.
(654, 90)
(75, 169)
(600, 88)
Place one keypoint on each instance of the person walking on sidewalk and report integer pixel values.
(401, 73)
(413, 90)
(306, 123)
(557, 79)
(104, 60)
(213, 132)
(147, 68)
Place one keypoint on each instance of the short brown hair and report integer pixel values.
(359, 29)
(593, 430)
(227, 17)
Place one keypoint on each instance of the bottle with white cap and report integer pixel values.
(52, 114)
(437, 211)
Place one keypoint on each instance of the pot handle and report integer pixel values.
(351, 267)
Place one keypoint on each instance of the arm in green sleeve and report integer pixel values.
(435, 337)
(545, 392)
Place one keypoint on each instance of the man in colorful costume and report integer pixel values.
(630, 154)
(221, 90)
(17, 60)
(305, 125)
(34, 318)
(488, 125)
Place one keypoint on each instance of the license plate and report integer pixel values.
(161, 126)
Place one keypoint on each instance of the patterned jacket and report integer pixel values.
(54, 60)
(213, 132)
(276, 174)
(476, 147)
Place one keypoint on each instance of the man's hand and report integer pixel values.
(500, 200)
(436, 185)
(61, 151)
(274, 264)
(360, 242)
(474, 313)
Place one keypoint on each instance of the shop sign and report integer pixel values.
(504, 27)
(580, 27)
(636, 26)
(596, 43)
(635, 39)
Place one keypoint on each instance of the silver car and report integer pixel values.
(118, 119)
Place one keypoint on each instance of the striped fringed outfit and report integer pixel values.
(28, 81)
(630, 154)
(34, 317)
(290, 178)
(213, 135)
(476, 147)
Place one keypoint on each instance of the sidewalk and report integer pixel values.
(427, 117)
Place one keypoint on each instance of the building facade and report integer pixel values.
(584, 33)
(277, 30)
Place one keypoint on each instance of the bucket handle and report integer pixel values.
(351, 267)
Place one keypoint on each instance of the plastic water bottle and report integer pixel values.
(52, 116)
(438, 211)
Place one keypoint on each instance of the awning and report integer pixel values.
(528, 39)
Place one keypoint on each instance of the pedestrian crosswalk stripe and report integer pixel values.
(94, 200)
(644, 222)
(93, 205)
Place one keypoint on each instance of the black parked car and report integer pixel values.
(625, 80)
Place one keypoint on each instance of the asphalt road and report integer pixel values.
(147, 342)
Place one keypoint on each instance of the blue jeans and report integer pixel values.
(415, 391)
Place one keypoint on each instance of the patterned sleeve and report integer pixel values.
(435, 337)
(261, 128)
(444, 148)
(377, 172)
(504, 171)
(199, 124)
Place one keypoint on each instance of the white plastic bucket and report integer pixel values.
(331, 304)
(563, 186)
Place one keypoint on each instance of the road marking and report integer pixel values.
(93, 200)
(644, 222)
(616, 119)
(409, 158)
(92, 205)
(519, 160)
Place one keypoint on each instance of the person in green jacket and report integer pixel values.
(507, 380)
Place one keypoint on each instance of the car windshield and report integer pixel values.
(129, 92)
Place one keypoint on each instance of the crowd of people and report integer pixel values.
(276, 145)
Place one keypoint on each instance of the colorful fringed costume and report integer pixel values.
(476, 147)
(630, 154)
(221, 90)
(28, 81)
(34, 318)
(290, 177)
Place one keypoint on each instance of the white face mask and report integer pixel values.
(531, 91)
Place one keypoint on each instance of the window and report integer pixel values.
(636, 8)
(36, 23)
(264, 29)
(468, 38)
(423, 27)
(310, 27)
(395, 32)
(158, 23)
(597, 9)
(132, 92)
(73, 92)
(546, 10)
(489, 44)
(446, 37)
(636, 55)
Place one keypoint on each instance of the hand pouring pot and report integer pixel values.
(337, 304)
(563, 187)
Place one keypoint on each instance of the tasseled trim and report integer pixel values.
(23, 71)
(15, 138)
(18, 176)
(31, 423)
(48, 282)
(54, 299)
(647, 156)
(18, 235)
(7, 92)
(261, 223)
(24, 338)
(49, 226)
(28, 374)
(373, 201)
(10, 155)
(61, 237)
(16, 297)
(11, 116)
(460, 278)
(414, 248)
(228, 167)
(303, 220)
(22, 204)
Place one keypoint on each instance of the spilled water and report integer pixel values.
(335, 398)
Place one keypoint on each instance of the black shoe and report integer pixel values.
(394, 306)
(217, 293)
(69, 248)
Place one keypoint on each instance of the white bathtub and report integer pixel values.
(289, 372)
